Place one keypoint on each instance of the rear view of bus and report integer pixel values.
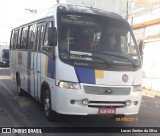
(99, 68)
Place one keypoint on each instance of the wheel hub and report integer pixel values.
(46, 106)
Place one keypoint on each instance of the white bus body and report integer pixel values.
(46, 62)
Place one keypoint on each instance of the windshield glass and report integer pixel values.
(91, 39)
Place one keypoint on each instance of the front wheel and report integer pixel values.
(50, 114)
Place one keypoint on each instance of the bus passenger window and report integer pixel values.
(48, 49)
(11, 41)
(41, 37)
(15, 39)
(31, 37)
(23, 38)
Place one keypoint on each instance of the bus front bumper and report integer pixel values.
(77, 102)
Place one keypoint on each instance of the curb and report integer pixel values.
(152, 94)
(157, 97)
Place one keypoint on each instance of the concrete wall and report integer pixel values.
(117, 6)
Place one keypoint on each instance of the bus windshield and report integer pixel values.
(99, 39)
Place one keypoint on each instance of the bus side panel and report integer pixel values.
(22, 57)
(47, 71)
(27, 77)
(47, 66)
(14, 64)
(29, 71)
(11, 53)
(31, 81)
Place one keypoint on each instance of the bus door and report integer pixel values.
(37, 59)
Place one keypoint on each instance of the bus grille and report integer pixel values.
(102, 90)
(107, 104)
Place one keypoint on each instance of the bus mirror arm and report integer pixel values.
(52, 36)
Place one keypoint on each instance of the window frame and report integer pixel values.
(31, 27)
(26, 37)
(44, 48)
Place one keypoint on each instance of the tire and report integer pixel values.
(19, 90)
(46, 101)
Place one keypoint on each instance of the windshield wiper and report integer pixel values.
(95, 57)
(118, 55)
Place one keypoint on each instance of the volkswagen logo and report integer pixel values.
(107, 91)
(125, 78)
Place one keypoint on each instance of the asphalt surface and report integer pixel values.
(16, 111)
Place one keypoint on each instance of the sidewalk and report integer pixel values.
(151, 93)
(151, 87)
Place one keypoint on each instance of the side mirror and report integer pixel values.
(52, 36)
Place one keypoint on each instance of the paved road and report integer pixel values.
(26, 112)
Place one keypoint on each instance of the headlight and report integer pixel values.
(69, 85)
(137, 88)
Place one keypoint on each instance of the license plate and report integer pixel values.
(107, 111)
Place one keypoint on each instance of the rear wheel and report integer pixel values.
(50, 114)
(19, 90)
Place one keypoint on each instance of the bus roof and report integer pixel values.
(90, 10)
(69, 8)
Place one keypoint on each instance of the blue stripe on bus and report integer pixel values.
(51, 68)
(85, 75)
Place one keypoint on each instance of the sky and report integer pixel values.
(13, 11)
